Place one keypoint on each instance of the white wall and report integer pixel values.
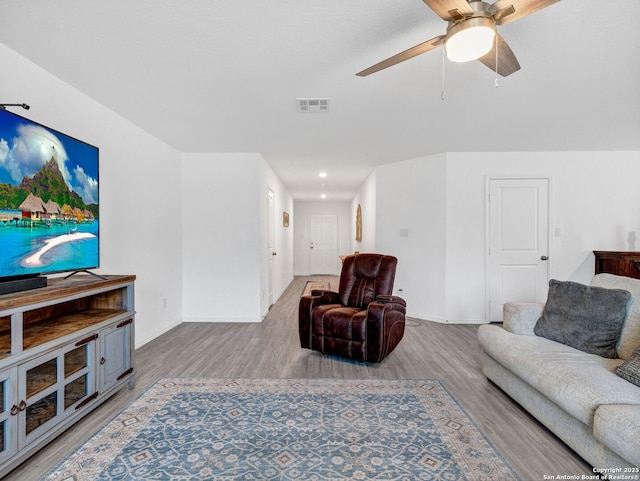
(221, 237)
(224, 230)
(302, 231)
(595, 202)
(366, 197)
(411, 209)
(140, 200)
(441, 201)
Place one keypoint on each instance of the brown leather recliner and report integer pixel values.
(363, 320)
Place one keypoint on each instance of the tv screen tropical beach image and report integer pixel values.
(48, 200)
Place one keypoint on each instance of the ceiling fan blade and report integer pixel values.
(521, 8)
(402, 56)
(507, 61)
(445, 8)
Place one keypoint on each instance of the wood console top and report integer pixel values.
(59, 287)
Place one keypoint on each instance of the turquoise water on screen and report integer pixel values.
(19, 243)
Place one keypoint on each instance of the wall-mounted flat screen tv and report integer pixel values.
(49, 219)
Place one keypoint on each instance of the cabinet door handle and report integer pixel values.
(125, 374)
(544, 258)
(87, 400)
(122, 324)
(14, 410)
(102, 360)
(22, 406)
(87, 340)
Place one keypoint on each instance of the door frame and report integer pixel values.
(550, 221)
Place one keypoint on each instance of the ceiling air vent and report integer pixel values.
(312, 105)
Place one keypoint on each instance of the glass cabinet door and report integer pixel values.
(42, 397)
(56, 385)
(8, 414)
(77, 374)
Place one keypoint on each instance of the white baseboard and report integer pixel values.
(221, 319)
(446, 321)
(140, 343)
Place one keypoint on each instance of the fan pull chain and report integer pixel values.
(496, 85)
(442, 92)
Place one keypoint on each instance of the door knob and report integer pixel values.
(274, 254)
(544, 258)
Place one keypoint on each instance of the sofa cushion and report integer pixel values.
(584, 317)
(618, 428)
(630, 370)
(576, 381)
(630, 336)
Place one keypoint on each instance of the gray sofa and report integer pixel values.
(577, 395)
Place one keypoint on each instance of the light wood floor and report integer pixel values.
(271, 350)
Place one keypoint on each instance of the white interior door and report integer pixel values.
(324, 244)
(271, 253)
(518, 242)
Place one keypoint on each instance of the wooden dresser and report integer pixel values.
(619, 263)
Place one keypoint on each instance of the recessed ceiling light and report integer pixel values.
(322, 174)
(323, 196)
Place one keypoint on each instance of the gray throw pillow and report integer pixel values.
(587, 318)
(630, 370)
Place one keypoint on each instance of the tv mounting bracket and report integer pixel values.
(4, 106)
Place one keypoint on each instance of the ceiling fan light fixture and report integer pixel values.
(470, 39)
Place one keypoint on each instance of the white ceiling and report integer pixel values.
(223, 76)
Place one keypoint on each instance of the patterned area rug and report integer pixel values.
(282, 429)
(313, 285)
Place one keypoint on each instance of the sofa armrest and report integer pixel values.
(521, 317)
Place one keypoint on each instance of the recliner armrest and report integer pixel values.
(331, 297)
(389, 299)
(305, 312)
(385, 326)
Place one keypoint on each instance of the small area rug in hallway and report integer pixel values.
(288, 429)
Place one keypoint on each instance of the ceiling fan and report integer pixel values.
(471, 33)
